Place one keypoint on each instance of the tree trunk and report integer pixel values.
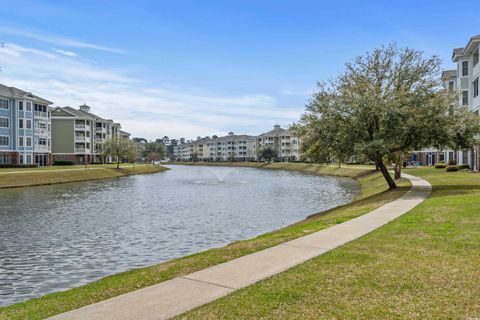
(398, 167)
(386, 174)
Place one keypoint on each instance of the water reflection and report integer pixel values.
(56, 237)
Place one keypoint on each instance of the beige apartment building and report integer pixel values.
(79, 135)
(285, 143)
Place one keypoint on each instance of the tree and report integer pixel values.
(119, 149)
(384, 104)
(267, 154)
(154, 151)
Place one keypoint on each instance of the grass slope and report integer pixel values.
(373, 194)
(10, 178)
(423, 265)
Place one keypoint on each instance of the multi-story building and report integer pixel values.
(464, 80)
(285, 143)
(25, 136)
(240, 148)
(80, 135)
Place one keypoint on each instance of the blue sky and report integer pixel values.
(189, 68)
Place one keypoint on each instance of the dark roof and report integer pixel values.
(18, 93)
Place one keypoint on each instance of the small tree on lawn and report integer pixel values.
(154, 151)
(117, 148)
(385, 103)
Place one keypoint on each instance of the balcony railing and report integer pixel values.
(41, 131)
(79, 126)
(41, 114)
(79, 138)
(41, 148)
(80, 150)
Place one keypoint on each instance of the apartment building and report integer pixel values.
(285, 143)
(240, 148)
(79, 135)
(25, 127)
(463, 80)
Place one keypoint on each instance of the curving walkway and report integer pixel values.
(181, 294)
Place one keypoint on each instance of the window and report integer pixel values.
(42, 141)
(475, 88)
(4, 159)
(20, 123)
(475, 57)
(4, 123)
(29, 141)
(4, 141)
(28, 104)
(29, 124)
(465, 98)
(3, 104)
(464, 68)
(20, 105)
(20, 141)
(29, 158)
(450, 86)
(21, 159)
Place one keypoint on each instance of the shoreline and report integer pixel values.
(372, 195)
(49, 176)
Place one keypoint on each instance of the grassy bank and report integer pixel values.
(423, 265)
(372, 195)
(24, 177)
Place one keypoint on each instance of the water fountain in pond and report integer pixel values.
(221, 177)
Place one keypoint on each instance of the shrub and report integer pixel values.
(63, 163)
(463, 166)
(452, 162)
(452, 168)
(18, 166)
(440, 165)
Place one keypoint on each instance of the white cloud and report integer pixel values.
(66, 53)
(56, 40)
(142, 109)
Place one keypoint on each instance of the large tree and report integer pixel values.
(386, 103)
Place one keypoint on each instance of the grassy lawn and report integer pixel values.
(423, 265)
(373, 194)
(61, 174)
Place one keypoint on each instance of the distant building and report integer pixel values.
(79, 135)
(240, 148)
(25, 135)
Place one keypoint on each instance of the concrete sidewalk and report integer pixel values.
(179, 295)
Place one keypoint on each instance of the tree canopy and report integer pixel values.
(387, 102)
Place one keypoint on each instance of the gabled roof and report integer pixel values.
(18, 93)
(276, 131)
(459, 53)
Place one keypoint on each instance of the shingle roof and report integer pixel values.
(18, 93)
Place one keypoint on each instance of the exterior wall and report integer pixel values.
(63, 136)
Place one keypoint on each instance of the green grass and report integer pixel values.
(423, 265)
(373, 194)
(24, 177)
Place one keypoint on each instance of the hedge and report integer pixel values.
(440, 165)
(452, 168)
(18, 166)
(63, 163)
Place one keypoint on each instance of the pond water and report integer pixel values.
(56, 237)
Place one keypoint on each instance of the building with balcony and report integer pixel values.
(25, 128)
(79, 135)
(464, 81)
(284, 142)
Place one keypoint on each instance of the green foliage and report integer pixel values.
(440, 165)
(154, 151)
(452, 168)
(120, 149)
(63, 163)
(267, 154)
(383, 105)
(463, 166)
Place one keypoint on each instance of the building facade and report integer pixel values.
(464, 80)
(25, 128)
(240, 148)
(79, 135)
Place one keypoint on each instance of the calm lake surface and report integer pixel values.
(57, 237)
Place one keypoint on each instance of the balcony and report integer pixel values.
(41, 131)
(99, 140)
(41, 148)
(80, 138)
(79, 150)
(80, 126)
(100, 129)
(40, 114)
